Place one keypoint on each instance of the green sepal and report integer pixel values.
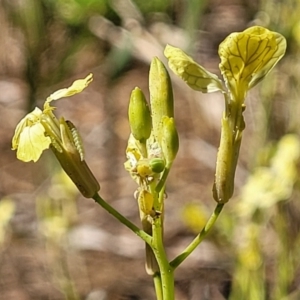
(168, 139)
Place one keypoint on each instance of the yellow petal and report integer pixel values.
(248, 56)
(28, 120)
(32, 143)
(77, 87)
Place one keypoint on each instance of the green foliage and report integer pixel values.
(76, 12)
(153, 6)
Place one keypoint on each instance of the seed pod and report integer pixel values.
(168, 139)
(139, 116)
(225, 168)
(161, 94)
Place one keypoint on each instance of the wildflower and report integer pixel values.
(246, 58)
(40, 130)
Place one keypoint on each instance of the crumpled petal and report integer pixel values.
(77, 87)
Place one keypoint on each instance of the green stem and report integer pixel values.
(143, 149)
(198, 239)
(139, 232)
(166, 271)
(158, 286)
(163, 179)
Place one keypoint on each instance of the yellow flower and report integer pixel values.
(30, 138)
(40, 130)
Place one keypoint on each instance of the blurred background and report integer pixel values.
(54, 244)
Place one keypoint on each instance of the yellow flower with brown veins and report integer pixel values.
(248, 56)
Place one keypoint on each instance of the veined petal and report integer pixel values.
(197, 77)
(28, 120)
(77, 87)
(32, 142)
(248, 56)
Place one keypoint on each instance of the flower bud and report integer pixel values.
(168, 139)
(161, 94)
(139, 116)
(157, 165)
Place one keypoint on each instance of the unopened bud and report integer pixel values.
(161, 93)
(157, 165)
(139, 116)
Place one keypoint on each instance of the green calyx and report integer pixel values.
(168, 139)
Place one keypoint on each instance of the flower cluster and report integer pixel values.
(152, 148)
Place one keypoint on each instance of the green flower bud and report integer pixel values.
(65, 148)
(161, 94)
(168, 139)
(139, 116)
(157, 165)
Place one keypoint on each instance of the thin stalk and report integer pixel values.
(198, 239)
(166, 271)
(163, 179)
(139, 232)
(158, 286)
